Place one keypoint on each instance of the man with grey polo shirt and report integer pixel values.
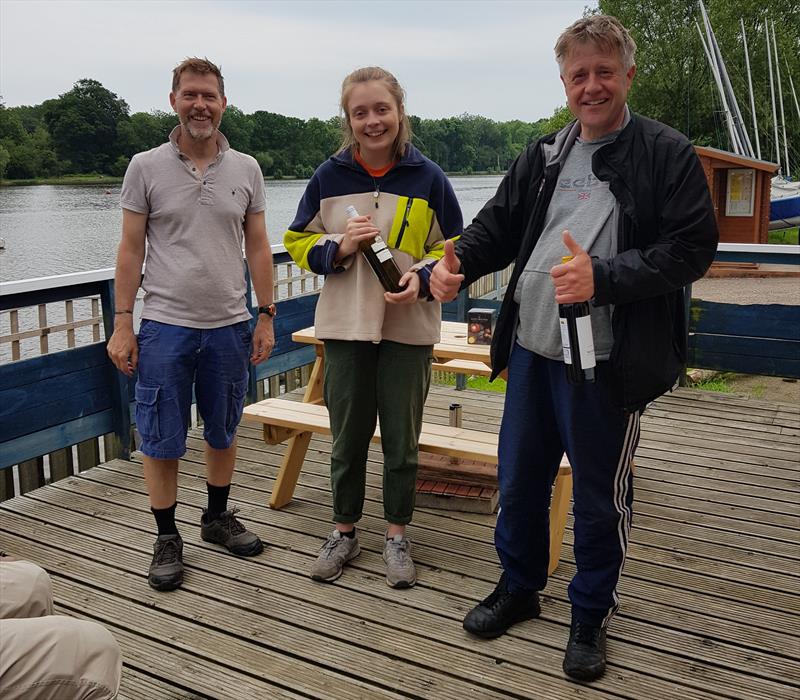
(187, 208)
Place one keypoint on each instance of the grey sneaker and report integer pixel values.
(230, 533)
(166, 569)
(400, 569)
(333, 555)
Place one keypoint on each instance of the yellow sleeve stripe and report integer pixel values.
(298, 244)
(437, 250)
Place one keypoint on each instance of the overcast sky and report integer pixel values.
(493, 58)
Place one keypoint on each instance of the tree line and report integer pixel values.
(89, 129)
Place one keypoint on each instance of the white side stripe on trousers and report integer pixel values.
(621, 486)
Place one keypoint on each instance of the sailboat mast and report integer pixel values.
(744, 139)
(780, 94)
(718, 82)
(750, 88)
(772, 95)
(791, 85)
(741, 140)
(736, 145)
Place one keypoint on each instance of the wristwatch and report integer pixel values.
(270, 310)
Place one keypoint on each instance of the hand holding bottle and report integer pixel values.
(573, 280)
(359, 228)
(410, 292)
(374, 250)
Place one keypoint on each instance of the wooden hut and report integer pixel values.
(740, 190)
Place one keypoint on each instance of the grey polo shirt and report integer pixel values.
(194, 273)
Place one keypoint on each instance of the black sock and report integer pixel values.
(350, 534)
(217, 500)
(165, 520)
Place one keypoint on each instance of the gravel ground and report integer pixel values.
(749, 290)
(775, 389)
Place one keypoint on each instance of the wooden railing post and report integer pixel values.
(88, 454)
(687, 309)
(461, 304)
(61, 464)
(31, 474)
(13, 320)
(6, 484)
(69, 316)
(95, 326)
(44, 331)
(119, 384)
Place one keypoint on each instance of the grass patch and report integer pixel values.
(718, 383)
(473, 382)
(785, 235)
(758, 391)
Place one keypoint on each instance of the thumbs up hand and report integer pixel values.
(452, 263)
(573, 280)
(445, 280)
(572, 245)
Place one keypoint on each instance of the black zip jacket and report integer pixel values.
(667, 238)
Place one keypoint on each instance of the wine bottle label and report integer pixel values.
(583, 325)
(381, 250)
(565, 340)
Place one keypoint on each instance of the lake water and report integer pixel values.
(58, 229)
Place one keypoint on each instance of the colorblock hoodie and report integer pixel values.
(414, 207)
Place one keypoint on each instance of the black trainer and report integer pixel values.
(166, 569)
(585, 659)
(230, 533)
(502, 609)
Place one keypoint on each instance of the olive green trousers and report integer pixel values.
(364, 382)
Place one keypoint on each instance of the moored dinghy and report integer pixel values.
(784, 208)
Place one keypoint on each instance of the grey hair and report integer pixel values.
(604, 31)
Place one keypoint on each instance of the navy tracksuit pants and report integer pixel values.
(544, 417)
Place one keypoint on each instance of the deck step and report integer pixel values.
(452, 495)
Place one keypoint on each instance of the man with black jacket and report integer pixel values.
(627, 199)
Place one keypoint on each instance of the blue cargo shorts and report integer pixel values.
(171, 360)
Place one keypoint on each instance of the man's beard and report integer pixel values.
(199, 134)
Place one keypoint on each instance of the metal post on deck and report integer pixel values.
(455, 422)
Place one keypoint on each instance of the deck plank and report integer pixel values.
(710, 607)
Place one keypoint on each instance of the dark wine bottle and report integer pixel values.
(577, 340)
(380, 259)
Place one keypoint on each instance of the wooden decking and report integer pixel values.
(710, 602)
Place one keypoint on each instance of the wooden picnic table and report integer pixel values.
(451, 353)
(284, 420)
(453, 346)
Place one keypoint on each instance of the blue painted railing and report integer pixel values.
(63, 398)
(748, 338)
(57, 400)
(764, 254)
